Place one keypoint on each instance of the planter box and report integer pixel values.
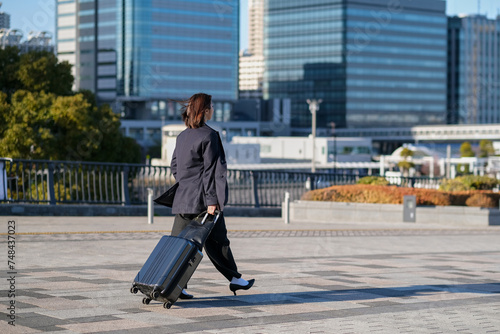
(339, 212)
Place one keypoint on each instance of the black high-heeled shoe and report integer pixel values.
(236, 287)
(185, 295)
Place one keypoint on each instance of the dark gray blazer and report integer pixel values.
(199, 165)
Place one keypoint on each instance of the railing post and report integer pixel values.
(50, 184)
(125, 192)
(3, 180)
(313, 181)
(150, 206)
(254, 178)
(285, 210)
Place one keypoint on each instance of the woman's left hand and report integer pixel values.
(211, 209)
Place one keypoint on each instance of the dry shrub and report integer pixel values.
(432, 197)
(394, 195)
(460, 197)
(482, 200)
(377, 194)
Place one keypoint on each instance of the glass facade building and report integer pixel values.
(4, 20)
(473, 70)
(146, 50)
(374, 63)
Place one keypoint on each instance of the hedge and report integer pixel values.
(360, 193)
(469, 182)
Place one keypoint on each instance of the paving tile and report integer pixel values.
(156, 318)
(37, 293)
(40, 322)
(56, 303)
(76, 297)
(76, 313)
(122, 324)
(391, 281)
(18, 328)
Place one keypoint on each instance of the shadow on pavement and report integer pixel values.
(336, 295)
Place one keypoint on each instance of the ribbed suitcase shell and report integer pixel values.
(168, 268)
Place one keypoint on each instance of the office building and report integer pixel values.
(143, 53)
(251, 72)
(4, 19)
(473, 70)
(251, 75)
(374, 63)
(256, 27)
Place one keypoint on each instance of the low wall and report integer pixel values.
(337, 212)
(118, 210)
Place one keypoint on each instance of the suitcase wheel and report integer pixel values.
(167, 305)
(134, 290)
(146, 301)
(155, 294)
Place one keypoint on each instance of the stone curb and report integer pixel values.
(117, 210)
(392, 213)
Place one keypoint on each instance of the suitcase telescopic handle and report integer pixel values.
(217, 214)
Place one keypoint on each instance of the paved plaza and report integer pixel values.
(73, 275)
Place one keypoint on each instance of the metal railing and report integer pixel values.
(415, 181)
(68, 182)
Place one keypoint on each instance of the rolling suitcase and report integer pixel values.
(173, 262)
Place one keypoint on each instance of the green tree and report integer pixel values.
(486, 148)
(45, 126)
(4, 112)
(9, 66)
(466, 150)
(28, 127)
(41, 71)
(405, 165)
(41, 118)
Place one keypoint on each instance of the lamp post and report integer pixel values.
(334, 135)
(313, 108)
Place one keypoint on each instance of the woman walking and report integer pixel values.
(199, 166)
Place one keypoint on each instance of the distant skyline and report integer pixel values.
(39, 15)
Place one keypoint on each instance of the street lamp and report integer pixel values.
(313, 108)
(334, 135)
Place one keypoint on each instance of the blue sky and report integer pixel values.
(39, 15)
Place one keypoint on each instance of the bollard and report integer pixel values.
(409, 209)
(150, 206)
(286, 208)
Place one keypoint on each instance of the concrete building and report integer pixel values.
(474, 70)
(299, 149)
(39, 41)
(243, 152)
(374, 63)
(253, 117)
(143, 53)
(235, 153)
(10, 37)
(386, 140)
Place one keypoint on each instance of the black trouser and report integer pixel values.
(216, 247)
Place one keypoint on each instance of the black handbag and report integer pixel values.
(199, 228)
(167, 198)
